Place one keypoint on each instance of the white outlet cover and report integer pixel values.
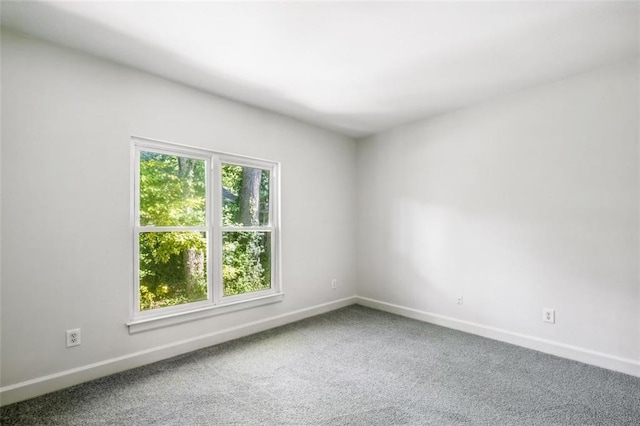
(549, 315)
(73, 337)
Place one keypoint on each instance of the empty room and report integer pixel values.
(331, 212)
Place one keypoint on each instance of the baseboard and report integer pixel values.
(42, 385)
(50, 383)
(587, 356)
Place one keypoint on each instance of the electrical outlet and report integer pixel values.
(334, 283)
(549, 315)
(73, 337)
(459, 300)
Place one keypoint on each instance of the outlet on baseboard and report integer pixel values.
(334, 283)
(549, 315)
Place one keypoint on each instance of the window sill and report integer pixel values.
(145, 324)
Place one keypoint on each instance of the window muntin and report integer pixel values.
(205, 226)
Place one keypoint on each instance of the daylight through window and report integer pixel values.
(205, 229)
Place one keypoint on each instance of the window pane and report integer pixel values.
(245, 196)
(172, 190)
(246, 262)
(173, 268)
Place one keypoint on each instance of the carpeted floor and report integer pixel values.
(354, 366)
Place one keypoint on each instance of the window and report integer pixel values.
(246, 229)
(205, 232)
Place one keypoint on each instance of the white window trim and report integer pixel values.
(216, 303)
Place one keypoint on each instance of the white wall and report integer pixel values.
(526, 202)
(521, 203)
(67, 243)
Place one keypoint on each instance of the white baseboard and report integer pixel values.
(41, 385)
(599, 359)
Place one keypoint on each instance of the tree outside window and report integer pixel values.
(176, 212)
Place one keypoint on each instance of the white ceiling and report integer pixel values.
(353, 67)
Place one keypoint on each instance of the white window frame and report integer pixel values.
(216, 303)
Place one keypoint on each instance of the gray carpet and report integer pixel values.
(353, 366)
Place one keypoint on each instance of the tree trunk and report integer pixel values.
(250, 196)
(194, 267)
(185, 167)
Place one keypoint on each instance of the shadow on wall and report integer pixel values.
(443, 253)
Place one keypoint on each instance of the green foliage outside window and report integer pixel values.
(172, 190)
(246, 255)
(173, 264)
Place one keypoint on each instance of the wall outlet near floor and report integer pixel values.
(459, 300)
(334, 283)
(549, 315)
(73, 337)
